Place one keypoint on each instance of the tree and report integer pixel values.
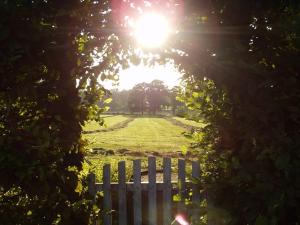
(48, 90)
(175, 104)
(147, 96)
(243, 74)
(119, 101)
(156, 95)
(137, 101)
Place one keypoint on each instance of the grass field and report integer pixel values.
(189, 122)
(142, 134)
(141, 137)
(108, 122)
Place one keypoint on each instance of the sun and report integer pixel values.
(151, 30)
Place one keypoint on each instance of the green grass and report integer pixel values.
(142, 134)
(189, 122)
(108, 122)
(97, 162)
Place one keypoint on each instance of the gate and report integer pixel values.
(149, 198)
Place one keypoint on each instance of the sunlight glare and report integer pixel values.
(141, 73)
(180, 219)
(151, 30)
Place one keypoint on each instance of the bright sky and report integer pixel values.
(150, 30)
(138, 74)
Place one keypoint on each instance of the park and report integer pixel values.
(173, 112)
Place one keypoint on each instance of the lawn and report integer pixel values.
(145, 135)
(108, 122)
(142, 134)
(189, 122)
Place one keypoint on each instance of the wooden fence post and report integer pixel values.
(181, 185)
(92, 189)
(122, 193)
(196, 192)
(91, 184)
(167, 188)
(107, 195)
(152, 217)
(137, 194)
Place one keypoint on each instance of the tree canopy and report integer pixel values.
(148, 97)
(137, 98)
(156, 95)
(242, 73)
(47, 60)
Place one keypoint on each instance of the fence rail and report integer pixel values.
(182, 187)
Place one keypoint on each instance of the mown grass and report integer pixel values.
(108, 122)
(189, 122)
(142, 134)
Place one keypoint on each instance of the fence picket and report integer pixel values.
(167, 191)
(137, 198)
(92, 189)
(181, 185)
(91, 184)
(107, 195)
(122, 192)
(196, 192)
(152, 190)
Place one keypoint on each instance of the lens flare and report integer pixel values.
(151, 30)
(181, 220)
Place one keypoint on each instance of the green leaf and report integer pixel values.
(107, 101)
(184, 149)
(196, 94)
(176, 198)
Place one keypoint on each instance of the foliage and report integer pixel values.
(148, 96)
(178, 108)
(247, 88)
(189, 122)
(137, 98)
(50, 58)
(242, 75)
(156, 95)
(119, 102)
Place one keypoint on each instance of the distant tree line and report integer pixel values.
(151, 98)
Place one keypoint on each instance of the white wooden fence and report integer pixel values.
(182, 187)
